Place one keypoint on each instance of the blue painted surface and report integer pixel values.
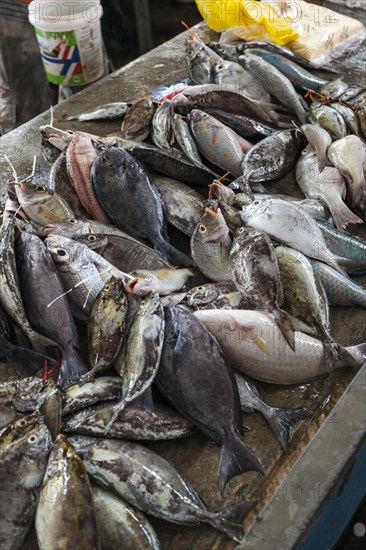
(339, 507)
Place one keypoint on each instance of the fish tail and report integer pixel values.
(72, 368)
(236, 459)
(286, 325)
(229, 520)
(281, 420)
(173, 256)
(343, 216)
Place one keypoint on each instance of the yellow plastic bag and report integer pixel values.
(223, 14)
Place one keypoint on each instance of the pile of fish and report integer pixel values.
(115, 336)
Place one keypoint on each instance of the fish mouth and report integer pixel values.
(49, 229)
(130, 286)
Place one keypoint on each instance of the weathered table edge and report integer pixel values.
(310, 480)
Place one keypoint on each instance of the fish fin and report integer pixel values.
(72, 368)
(236, 459)
(281, 420)
(335, 262)
(346, 356)
(174, 256)
(286, 324)
(343, 216)
(229, 520)
(117, 410)
(145, 400)
(251, 330)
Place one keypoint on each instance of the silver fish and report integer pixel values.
(281, 365)
(320, 140)
(327, 185)
(107, 111)
(329, 119)
(291, 225)
(349, 156)
(162, 132)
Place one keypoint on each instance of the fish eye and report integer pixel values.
(22, 423)
(61, 252)
(200, 288)
(143, 303)
(40, 189)
(202, 229)
(107, 287)
(72, 220)
(241, 230)
(92, 238)
(32, 439)
(255, 203)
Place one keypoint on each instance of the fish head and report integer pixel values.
(28, 194)
(219, 191)
(182, 104)
(255, 209)
(111, 158)
(95, 242)
(201, 295)
(70, 227)
(35, 443)
(113, 290)
(81, 143)
(142, 285)
(196, 116)
(150, 304)
(63, 250)
(19, 428)
(212, 227)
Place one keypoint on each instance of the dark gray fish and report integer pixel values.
(125, 253)
(60, 520)
(194, 377)
(117, 521)
(182, 204)
(162, 131)
(281, 420)
(256, 275)
(137, 122)
(22, 467)
(10, 297)
(129, 196)
(172, 163)
(46, 307)
(273, 157)
(24, 361)
(151, 484)
(133, 422)
(241, 124)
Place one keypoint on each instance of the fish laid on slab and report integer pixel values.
(41, 204)
(80, 156)
(210, 246)
(328, 118)
(133, 422)
(291, 225)
(46, 306)
(10, 296)
(162, 131)
(244, 126)
(106, 325)
(320, 140)
(271, 158)
(195, 378)
(340, 290)
(183, 136)
(118, 523)
(59, 181)
(65, 513)
(275, 82)
(83, 272)
(217, 296)
(255, 273)
(82, 395)
(151, 484)
(107, 111)
(281, 365)
(129, 196)
(22, 467)
(346, 245)
(327, 185)
(182, 204)
(17, 429)
(136, 124)
(349, 156)
(217, 142)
